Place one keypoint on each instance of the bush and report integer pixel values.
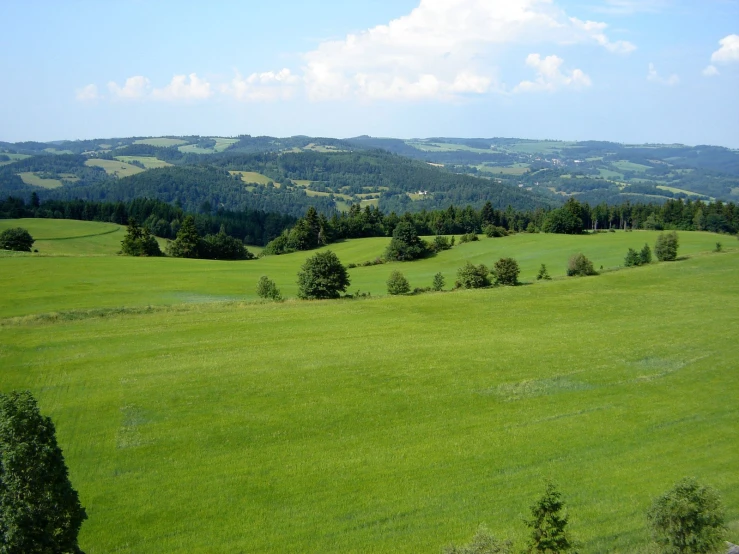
(322, 276)
(632, 258)
(438, 284)
(267, 289)
(17, 239)
(406, 244)
(472, 277)
(687, 519)
(468, 237)
(645, 255)
(494, 232)
(506, 272)
(580, 266)
(139, 241)
(666, 247)
(482, 543)
(719, 247)
(397, 283)
(543, 274)
(440, 243)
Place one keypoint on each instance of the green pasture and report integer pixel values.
(30, 178)
(43, 284)
(677, 190)
(624, 165)
(162, 141)
(147, 161)
(252, 177)
(538, 147)
(115, 167)
(384, 425)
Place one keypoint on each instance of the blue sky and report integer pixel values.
(621, 70)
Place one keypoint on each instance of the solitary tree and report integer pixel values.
(645, 256)
(322, 276)
(632, 258)
(666, 247)
(438, 283)
(548, 524)
(506, 272)
(688, 519)
(397, 283)
(187, 243)
(406, 244)
(17, 239)
(543, 274)
(267, 289)
(471, 276)
(579, 265)
(40, 512)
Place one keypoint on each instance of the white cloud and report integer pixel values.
(729, 51)
(711, 71)
(549, 76)
(180, 89)
(88, 93)
(442, 49)
(134, 88)
(654, 77)
(267, 86)
(630, 7)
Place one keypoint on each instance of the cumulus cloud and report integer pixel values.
(711, 71)
(267, 86)
(135, 88)
(443, 48)
(180, 89)
(653, 76)
(729, 51)
(549, 76)
(88, 93)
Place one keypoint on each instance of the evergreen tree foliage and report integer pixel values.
(397, 283)
(267, 289)
(632, 258)
(223, 247)
(187, 243)
(40, 512)
(405, 245)
(17, 239)
(580, 266)
(688, 519)
(506, 272)
(666, 247)
(139, 241)
(645, 256)
(482, 543)
(471, 276)
(439, 282)
(548, 524)
(322, 276)
(543, 274)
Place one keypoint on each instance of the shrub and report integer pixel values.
(397, 283)
(543, 274)
(687, 519)
(482, 543)
(440, 243)
(580, 266)
(267, 289)
(506, 272)
(666, 247)
(472, 277)
(406, 244)
(438, 283)
(645, 256)
(494, 232)
(468, 237)
(632, 258)
(322, 276)
(17, 239)
(139, 241)
(719, 247)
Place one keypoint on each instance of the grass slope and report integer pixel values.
(115, 167)
(51, 285)
(30, 178)
(147, 161)
(393, 424)
(161, 141)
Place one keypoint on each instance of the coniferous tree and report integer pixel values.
(187, 243)
(645, 256)
(632, 258)
(438, 284)
(543, 274)
(548, 524)
(40, 512)
(506, 272)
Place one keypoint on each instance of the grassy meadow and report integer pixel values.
(202, 423)
(116, 168)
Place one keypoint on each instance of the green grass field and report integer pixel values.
(162, 141)
(115, 167)
(30, 178)
(624, 165)
(383, 424)
(252, 177)
(146, 161)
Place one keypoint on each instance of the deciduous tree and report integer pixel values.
(322, 276)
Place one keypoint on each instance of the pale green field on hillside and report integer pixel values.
(115, 167)
(147, 161)
(252, 177)
(380, 425)
(162, 141)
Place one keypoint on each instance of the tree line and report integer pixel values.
(160, 218)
